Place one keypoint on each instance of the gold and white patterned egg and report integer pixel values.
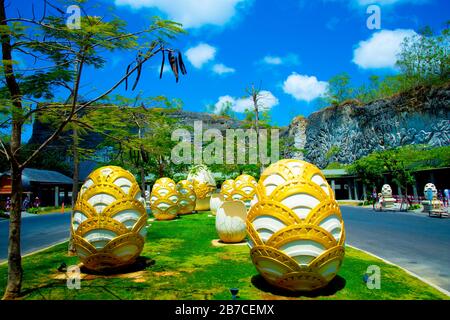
(227, 188)
(230, 221)
(109, 220)
(204, 186)
(295, 227)
(386, 191)
(244, 189)
(187, 196)
(164, 199)
(432, 187)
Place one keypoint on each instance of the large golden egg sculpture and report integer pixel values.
(109, 220)
(204, 186)
(244, 189)
(187, 197)
(295, 227)
(164, 199)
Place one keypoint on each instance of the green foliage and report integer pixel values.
(424, 60)
(334, 150)
(400, 162)
(339, 89)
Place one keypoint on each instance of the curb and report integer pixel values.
(435, 286)
(37, 251)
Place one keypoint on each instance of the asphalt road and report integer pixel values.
(415, 242)
(37, 232)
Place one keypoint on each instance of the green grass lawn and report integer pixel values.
(185, 265)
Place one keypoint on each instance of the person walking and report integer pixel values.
(26, 203)
(37, 202)
(8, 204)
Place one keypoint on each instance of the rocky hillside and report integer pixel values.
(350, 131)
(341, 133)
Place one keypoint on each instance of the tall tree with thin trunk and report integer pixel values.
(56, 51)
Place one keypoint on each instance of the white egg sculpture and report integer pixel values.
(109, 220)
(230, 221)
(432, 187)
(215, 202)
(295, 227)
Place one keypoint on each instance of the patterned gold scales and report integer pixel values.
(244, 189)
(164, 199)
(109, 219)
(227, 188)
(295, 227)
(187, 196)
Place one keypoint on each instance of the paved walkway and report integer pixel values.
(414, 241)
(38, 231)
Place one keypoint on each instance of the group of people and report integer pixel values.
(443, 195)
(25, 204)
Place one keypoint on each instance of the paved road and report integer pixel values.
(415, 242)
(37, 232)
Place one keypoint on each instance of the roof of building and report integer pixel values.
(43, 176)
(335, 172)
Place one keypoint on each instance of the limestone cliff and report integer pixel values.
(350, 131)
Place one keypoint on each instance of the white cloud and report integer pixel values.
(272, 60)
(201, 54)
(222, 69)
(191, 13)
(303, 87)
(381, 50)
(240, 105)
(290, 59)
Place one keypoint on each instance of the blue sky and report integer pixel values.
(291, 47)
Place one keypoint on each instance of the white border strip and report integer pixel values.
(442, 290)
(37, 251)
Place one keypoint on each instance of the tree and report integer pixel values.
(339, 89)
(61, 55)
(425, 57)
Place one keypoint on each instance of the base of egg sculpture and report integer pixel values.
(204, 186)
(109, 221)
(388, 200)
(187, 197)
(215, 202)
(295, 227)
(230, 221)
(164, 199)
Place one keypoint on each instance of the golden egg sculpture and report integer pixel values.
(244, 189)
(187, 197)
(204, 186)
(109, 220)
(295, 227)
(164, 199)
(227, 188)
(230, 221)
